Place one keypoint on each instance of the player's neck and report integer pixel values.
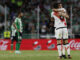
(19, 17)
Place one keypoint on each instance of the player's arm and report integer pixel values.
(57, 10)
(65, 15)
(15, 26)
(52, 20)
(52, 17)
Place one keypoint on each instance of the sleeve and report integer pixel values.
(52, 14)
(64, 10)
(15, 21)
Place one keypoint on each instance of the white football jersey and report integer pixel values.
(58, 21)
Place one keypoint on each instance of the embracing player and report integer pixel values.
(16, 32)
(59, 16)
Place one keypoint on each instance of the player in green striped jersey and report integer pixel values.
(16, 34)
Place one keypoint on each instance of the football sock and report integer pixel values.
(68, 49)
(11, 46)
(17, 46)
(63, 50)
(59, 50)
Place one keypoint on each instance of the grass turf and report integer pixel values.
(36, 55)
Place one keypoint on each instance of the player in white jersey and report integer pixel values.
(61, 33)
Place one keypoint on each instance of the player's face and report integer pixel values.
(21, 14)
(60, 5)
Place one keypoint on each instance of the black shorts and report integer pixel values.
(16, 37)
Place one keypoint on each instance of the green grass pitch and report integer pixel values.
(36, 55)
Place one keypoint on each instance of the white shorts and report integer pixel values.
(61, 33)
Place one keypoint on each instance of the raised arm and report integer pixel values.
(64, 14)
(57, 10)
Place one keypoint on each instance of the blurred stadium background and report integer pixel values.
(36, 20)
(37, 28)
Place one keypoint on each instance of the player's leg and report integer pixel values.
(63, 50)
(59, 48)
(18, 42)
(12, 40)
(58, 34)
(18, 45)
(65, 42)
(67, 46)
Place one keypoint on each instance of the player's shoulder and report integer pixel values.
(52, 13)
(16, 18)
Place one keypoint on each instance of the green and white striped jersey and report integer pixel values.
(18, 23)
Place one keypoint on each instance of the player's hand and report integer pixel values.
(56, 10)
(19, 31)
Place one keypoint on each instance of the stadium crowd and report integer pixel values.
(30, 9)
